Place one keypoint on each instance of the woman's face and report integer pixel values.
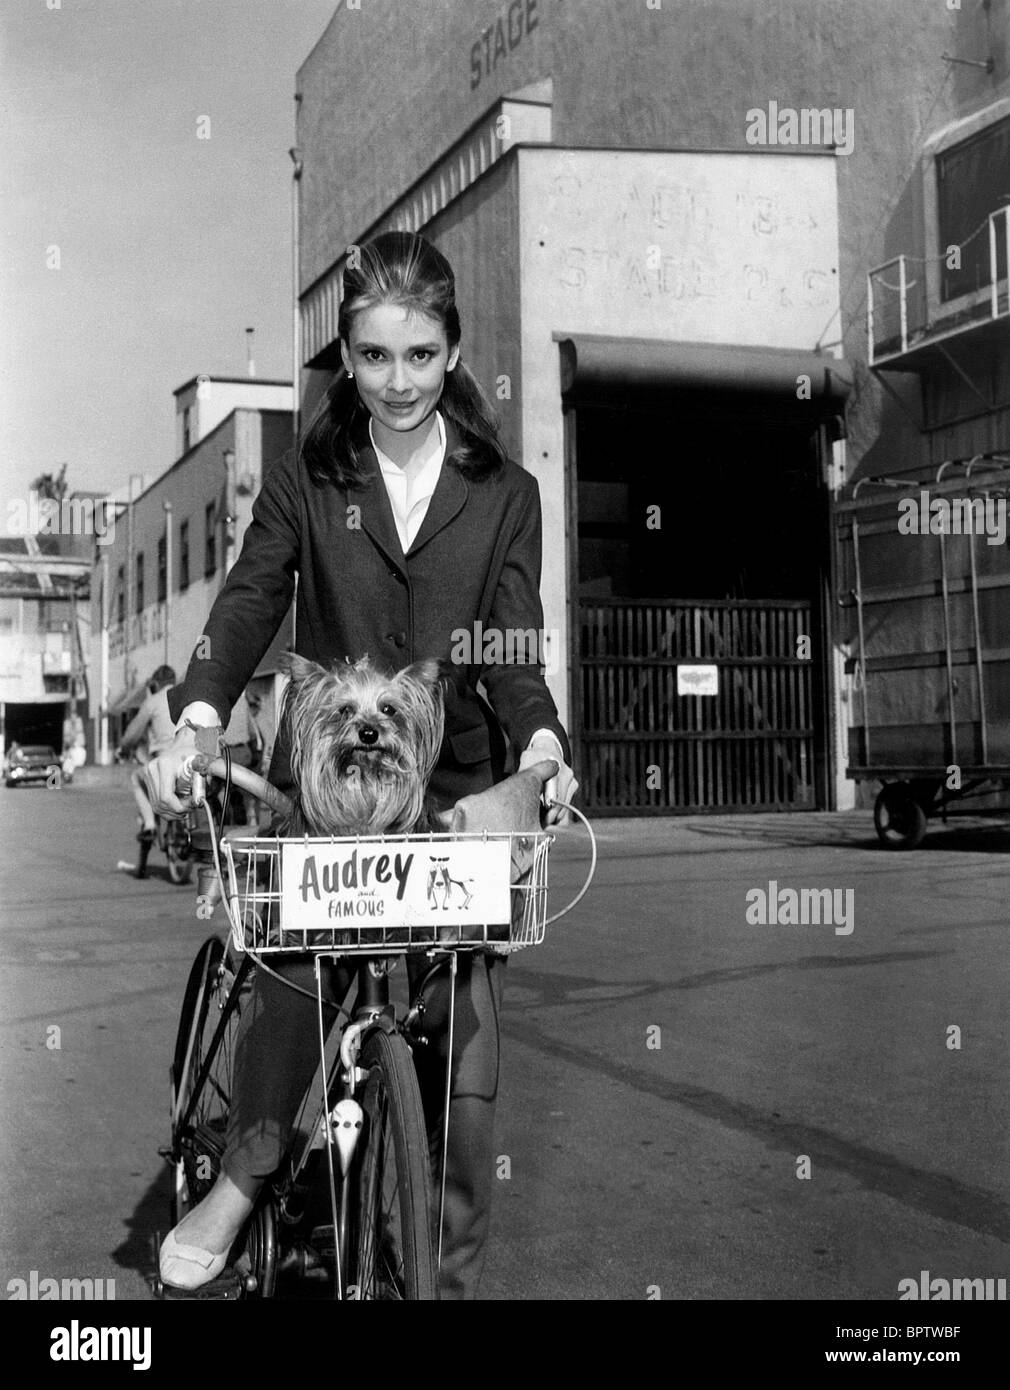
(399, 360)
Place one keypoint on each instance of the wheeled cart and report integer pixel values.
(925, 590)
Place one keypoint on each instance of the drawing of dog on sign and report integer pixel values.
(440, 881)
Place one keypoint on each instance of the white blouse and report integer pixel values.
(409, 499)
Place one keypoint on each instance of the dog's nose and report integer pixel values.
(367, 734)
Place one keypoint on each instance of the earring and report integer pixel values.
(350, 376)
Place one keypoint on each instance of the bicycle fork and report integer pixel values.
(445, 1108)
(343, 1122)
(341, 1125)
(414, 1022)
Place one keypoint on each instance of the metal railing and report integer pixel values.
(898, 301)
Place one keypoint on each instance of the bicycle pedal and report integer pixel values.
(228, 1287)
(302, 1262)
(323, 1241)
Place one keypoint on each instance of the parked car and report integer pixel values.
(33, 763)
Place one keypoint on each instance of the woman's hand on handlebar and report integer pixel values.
(561, 787)
(164, 771)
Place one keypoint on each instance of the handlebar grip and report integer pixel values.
(199, 766)
(545, 769)
(192, 781)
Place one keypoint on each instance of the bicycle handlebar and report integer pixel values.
(202, 766)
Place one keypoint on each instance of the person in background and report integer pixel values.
(153, 725)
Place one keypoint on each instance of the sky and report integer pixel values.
(169, 245)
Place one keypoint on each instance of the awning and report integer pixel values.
(598, 370)
(12, 697)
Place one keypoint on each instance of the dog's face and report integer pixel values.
(363, 744)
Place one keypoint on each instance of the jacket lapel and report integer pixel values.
(377, 519)
(373, 499)
(449, 497)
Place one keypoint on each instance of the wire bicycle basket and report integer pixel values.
(387, 894)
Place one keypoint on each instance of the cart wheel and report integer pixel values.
(899, 819)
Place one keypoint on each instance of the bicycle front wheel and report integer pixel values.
(390, 1250)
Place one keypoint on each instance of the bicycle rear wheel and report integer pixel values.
(201, 1099)
(201, 1072)
(390, 1250)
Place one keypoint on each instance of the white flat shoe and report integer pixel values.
(187, 1266)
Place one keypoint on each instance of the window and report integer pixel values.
(973, 180)
(183, 554)
(210, 544)
(121, 595)
(138, 583)
(187, 428)
(162, 569)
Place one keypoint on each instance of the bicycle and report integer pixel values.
(173, 838)
(362, 1147)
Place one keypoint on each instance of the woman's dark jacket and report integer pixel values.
(476, 558)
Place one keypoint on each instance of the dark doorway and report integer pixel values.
(701, 536)
(34, 723)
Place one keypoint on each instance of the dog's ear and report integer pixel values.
(427, 673)
(299, 668)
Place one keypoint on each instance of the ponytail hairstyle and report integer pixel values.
(405, 269)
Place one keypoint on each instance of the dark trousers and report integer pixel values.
(276, 1054)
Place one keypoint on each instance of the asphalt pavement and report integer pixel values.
(694, 1105)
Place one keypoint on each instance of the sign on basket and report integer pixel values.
(379, 883)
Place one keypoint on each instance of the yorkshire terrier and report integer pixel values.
(363, 746)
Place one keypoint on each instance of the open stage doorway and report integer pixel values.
(699, 571)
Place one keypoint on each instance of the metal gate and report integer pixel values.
(647, 750)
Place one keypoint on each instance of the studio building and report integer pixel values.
(662, 221)
(158, 573)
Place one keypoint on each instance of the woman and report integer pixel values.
(405, 523)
